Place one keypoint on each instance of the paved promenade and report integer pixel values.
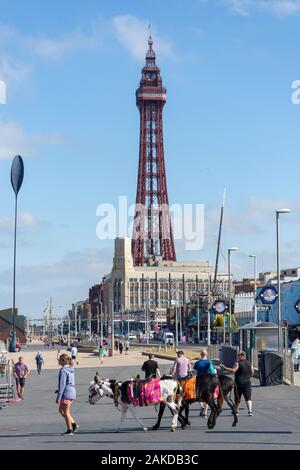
(35, 424)
(85, 360)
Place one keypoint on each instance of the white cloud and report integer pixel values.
(239, 7)
(277, 7)
(67, 280)
(133, 34)
(57, 48)
(14, 141)
(26, 221)
(12, 70)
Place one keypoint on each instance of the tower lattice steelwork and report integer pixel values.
(152, 233)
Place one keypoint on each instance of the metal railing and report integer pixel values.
(288, 369)
(288, 365)
(213, 352)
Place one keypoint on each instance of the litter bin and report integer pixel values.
(270, 366)
(261, 369)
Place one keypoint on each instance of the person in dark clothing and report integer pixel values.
(39, 362)
(150, 368)
(243, 372)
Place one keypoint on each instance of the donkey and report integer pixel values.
(205, 388)
(228, 386)
(169, 392)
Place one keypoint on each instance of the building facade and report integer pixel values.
(155, 289)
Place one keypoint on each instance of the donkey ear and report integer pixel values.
(97, 378)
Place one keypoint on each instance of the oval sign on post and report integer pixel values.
(297, 306)
(268, 295)
(17, 174)
(219, 307)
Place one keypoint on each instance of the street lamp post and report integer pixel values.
(112, 328)
(176, 326)
(208, 311)
(17, 175)
(101, 323)
(278, 212)
(98, 320)
(255, 285)
(198, 318)
(229, 291)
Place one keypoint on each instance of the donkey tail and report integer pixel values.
(220, 400)
(236, 396)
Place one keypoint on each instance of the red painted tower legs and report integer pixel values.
(152, 233)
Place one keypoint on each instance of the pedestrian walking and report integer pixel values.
(295, 349)
(66, 393)
(74, 352)
(127, 344)
(101, 353)
(21, 372)
(39, 362)
(121, 347)
(182, 366)
(150, 368)
(243, 373)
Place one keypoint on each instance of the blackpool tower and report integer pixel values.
(152, 232)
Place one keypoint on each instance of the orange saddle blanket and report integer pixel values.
(189, 388)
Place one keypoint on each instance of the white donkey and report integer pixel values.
(169, 389)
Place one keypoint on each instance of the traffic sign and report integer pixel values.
(297, 306)
(219, 307)
(268, 295)
(263, 308)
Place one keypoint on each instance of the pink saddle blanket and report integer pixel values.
(149, 394)
(216, 392)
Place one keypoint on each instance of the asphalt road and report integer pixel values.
(36, 424)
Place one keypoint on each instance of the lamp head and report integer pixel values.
(234, 248)
(283, 211)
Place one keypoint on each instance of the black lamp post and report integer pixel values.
(17, 175)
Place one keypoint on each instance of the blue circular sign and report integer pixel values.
(219, 307)
(297, 306)
(268, 295)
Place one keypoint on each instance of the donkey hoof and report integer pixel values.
(173, 429)
(145, 429)
(154, 428)
(118, 430)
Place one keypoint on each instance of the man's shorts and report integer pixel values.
(20, 381)
(244, 390)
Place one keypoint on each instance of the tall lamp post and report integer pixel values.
(16, 176)
(278, 212)
(229, 291)
(112, 327)
(254, 257)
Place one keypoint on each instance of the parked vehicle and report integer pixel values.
(131, 337)
(168, 338)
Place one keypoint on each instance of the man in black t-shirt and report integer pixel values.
(243, 372)
(150, 368)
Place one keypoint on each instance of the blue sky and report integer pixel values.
(71, 70)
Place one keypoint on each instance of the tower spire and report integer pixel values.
(150, 56)
(152, 232)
